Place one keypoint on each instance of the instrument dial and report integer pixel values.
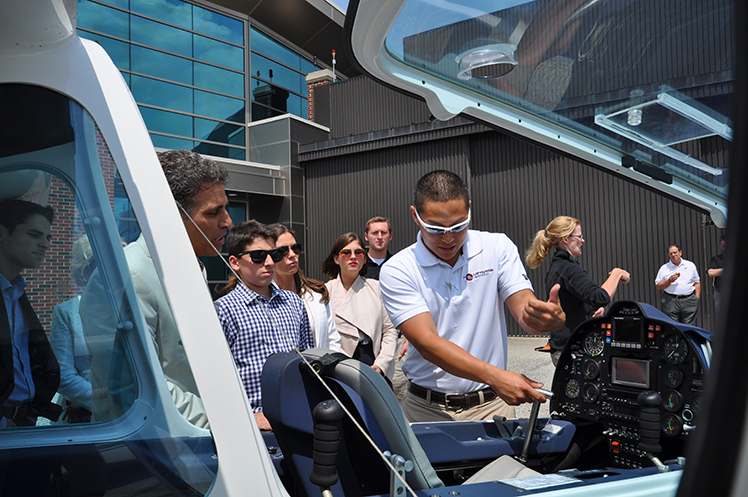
(675, 349)
(672, 401)
(591, 369)
(590, 393)
(594, 342)
(673, 377)
(671, 425)
(573, 388)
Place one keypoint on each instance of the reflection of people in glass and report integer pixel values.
(69, 344)
(29, 373)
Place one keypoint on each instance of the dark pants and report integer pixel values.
(682, 310)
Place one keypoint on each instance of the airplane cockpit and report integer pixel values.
(624, 403)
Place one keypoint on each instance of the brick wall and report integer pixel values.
(52, 283)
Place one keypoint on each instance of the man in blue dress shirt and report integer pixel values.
(29, 372)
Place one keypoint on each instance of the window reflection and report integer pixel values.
(217, 79)
(220, 107)
(214, 24)
(103, 19)
(161, 65)
(118, 3)
(281, 76)
(160, 141)
(171, 11)
(158, 93)
(166, 122)
(118, 51)
(219, 132)
(265, 45)
(161, 36)
(219, 53)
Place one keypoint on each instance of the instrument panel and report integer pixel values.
(609, 361)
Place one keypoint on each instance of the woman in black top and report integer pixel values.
(581, 298)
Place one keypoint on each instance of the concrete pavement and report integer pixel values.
(523, 358)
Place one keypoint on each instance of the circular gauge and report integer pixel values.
(675, 349)
(671, 425)
(572, 389)
(672, 401)
(673, 377)
(590, 393)
(591, 369)
(594, 342)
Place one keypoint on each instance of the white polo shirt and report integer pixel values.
(466, 301)
(684, 284)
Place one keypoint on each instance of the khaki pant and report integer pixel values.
(417, 409)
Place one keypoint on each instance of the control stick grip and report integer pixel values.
(327, 415)
(649, 421)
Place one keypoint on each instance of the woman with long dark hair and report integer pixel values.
(289, 276)
(365, 328)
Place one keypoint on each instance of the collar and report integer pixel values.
(562, 253)
(472, 247)
(248, 295)
(14, 288)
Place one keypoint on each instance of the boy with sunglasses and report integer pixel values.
(446, 294)
(258, 318)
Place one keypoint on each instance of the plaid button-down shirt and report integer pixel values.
(253, 335)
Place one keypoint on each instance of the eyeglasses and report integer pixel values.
(441, 230)
(578, 236)
(260, 256)
(347, 252)
(296, 247)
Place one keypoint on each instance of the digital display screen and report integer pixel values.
(630, 372)
(627, 329)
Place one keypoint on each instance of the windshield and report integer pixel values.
(649, 83)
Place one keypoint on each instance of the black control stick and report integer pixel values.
(649, 426)
(327, 415)
(531, 422)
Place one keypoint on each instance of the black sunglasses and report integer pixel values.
(296, 247)
(260, 256)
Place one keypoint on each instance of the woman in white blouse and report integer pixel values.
(313, 292)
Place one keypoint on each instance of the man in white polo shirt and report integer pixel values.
(680, 281)
(446, 294)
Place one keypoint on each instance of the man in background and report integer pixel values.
(681, 285)
(379, 234)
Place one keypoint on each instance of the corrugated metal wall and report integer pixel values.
(517, 188)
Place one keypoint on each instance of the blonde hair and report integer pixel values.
(556, 230)
(83, 262)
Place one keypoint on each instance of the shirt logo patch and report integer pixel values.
(479, 274)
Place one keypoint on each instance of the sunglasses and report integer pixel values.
(260, 256)
(441, 230)
(296, 247)
(347, 252)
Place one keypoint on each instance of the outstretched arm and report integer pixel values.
(514, 388)
(534, 315)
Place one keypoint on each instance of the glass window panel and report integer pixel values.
(216, 79)
(171, 11)
(220, 151)
(270, 48)
(152, 92)
(166, 122)
(118, 51)
(219, 53)
(307, 66)
(219, 132)
(282, 76)
(276, 97)
(260, 112)
(160, 141)
(220, 107)
(125, 4)
(161, 36)
(161, 65)
(217, 25)
(295, 104)
(103, 19)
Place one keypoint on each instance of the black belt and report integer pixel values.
(681, 296)
(457, 401)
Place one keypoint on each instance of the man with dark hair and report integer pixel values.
(679, 279)
(714, 270)
(29, 372)
(379, 234)
(446, 294)
(197, 184)
(258, 318)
